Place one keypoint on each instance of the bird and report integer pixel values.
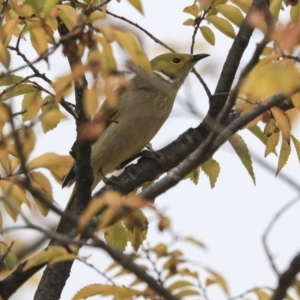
(138, 115)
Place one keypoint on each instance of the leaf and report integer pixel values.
(272, 143)
(244, 5)
(296, 101)
(295, 12)
(217, 279)
(160, 250)
(17, 90)
(242, 151)
(283, 155)
(42, 183)
(8, 257)
(179, 284)
(7, 30)
(195, 242)
(51, 119)
(222, 25)
(31, 104)
(48, 6)
(194, 175)
(258, 133)
(283, 122)
(189, 22)
(116, 236)
(90, 101)
(186, 293)
(208, 35)
(39, 41)
(58, 165)
(15, 196)
(47, 256)
(68, 15)
(4, 57)
(192, 10)
(275, 7)
(137, 227)
(163, 223)
(137, 4)
(212, 169)
(232, 13)
(262, 295)
(103, 289)
(21, 9)
(297, 146)
(9, 79)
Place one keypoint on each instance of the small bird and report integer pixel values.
(139, 114)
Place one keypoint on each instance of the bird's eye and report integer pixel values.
(176, 60)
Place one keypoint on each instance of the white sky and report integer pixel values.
(231, 218)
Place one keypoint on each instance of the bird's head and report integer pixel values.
(175, 67)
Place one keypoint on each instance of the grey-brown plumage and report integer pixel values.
(139, 114)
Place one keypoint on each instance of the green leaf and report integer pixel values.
(212, 169)
(194, 175)
(17, 90)
(208, 35)
(48, 6)
(192, 10)
(275, 7)
(244, 5)
(68, 15)
(232, 13)
(284, 154)
(222, 25)
(189, 22)
(242, 151)
(116, 236)
(9, 79)
(258, 133)
(10, 260)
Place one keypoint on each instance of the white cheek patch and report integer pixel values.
(164, 76)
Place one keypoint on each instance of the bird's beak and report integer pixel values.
(198, 57)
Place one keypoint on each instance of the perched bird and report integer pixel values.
(139, 114)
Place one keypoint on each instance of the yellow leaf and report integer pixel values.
(185, 293)
(4, 57)
(179, 284)
(195, 242)
(103, 289)
(31, 103)
(41, 182)
(7, 30)
(244, 5)
(21, 9)
(283, 155)
(137, 227)
(212, 169)
(163, 223)
(295, 12)
(189, 22)
(258, 133)
(58, 165)
(90, 101)
(116, 236)
(297, 146)
(107, 59)
(15, 195)
(223, 25)
(27, 139)
(217, 279)
(95, 16)
(63, 86)
(17, 90)
(232, 13)
(160, 250)
(46, 256)
(48, 6)
(283, 122)
(262, 295)
(192, 10)
(296, 100)
(39, 41)
(137, 4)
(4, 159)
(51, 118)
(68, 15)
(208, 35)
(129, 43)
(242, 151)
(272, 143)
(275, 7)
